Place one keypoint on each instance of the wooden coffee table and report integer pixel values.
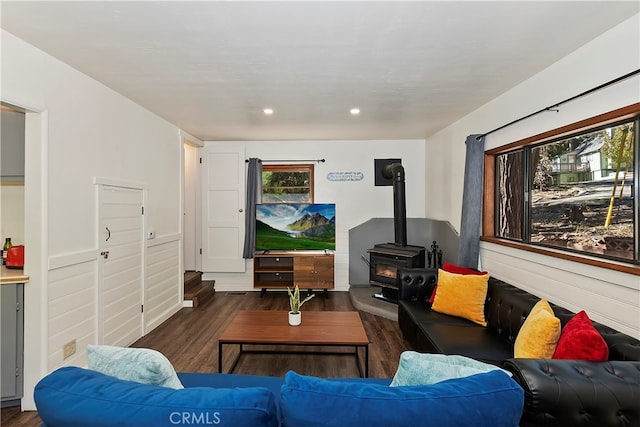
(318, 328)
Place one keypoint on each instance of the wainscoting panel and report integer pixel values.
(608, 297)
(71, 312)
(163, 292)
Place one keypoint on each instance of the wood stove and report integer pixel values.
(386, 258)
(384, 261)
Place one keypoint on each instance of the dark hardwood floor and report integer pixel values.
(189, 339)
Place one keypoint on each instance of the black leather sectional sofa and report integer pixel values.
(557, 392)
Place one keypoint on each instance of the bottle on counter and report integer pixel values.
(5, 249)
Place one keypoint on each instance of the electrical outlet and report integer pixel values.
(68, 349)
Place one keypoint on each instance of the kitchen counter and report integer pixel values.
(9, 276)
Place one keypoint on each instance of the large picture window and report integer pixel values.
(287, 183)
(576, 192)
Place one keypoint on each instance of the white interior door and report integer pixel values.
(223, 201)
(121, 267)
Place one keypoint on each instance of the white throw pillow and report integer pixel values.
(426, 368)
(142, 365)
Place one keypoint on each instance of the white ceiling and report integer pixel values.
(211, 67)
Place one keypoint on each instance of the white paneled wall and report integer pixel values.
(611, 298)
(72, 297)
(71, 311)
(162, 293)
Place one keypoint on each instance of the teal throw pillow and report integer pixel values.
(142, 365)
(426, 368)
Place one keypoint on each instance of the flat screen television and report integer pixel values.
(295, 226)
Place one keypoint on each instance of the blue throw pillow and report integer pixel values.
(426, 368)
(142, 365)
(491, 399)
(76, 397)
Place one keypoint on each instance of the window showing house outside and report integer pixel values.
(287, 183)
(576, 193)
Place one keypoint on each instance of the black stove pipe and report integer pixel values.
(396, 172)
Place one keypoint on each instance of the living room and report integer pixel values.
(82, 134)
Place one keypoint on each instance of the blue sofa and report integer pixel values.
(73, 396)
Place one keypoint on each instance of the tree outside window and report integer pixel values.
(287, 183)
(575, 193)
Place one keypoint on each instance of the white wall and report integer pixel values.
(609, 297)
(78, 130)
(12, 212)
(356, 201)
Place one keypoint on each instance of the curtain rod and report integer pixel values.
(289, 161)
(556, 105)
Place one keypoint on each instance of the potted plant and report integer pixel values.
(294, 302)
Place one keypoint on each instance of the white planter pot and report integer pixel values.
(295, 318)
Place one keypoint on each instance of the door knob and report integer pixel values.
(105, 254)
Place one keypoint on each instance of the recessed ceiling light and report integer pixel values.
(268, 111)
(354, 111)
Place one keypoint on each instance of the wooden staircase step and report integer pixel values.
(192, 278)
(195, 289)
(202, 292)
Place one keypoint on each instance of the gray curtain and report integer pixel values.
(470, 227)
(254, 196)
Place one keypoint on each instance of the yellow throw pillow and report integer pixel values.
(538, 334)
(461, 295)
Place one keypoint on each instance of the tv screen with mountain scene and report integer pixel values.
(295, 226)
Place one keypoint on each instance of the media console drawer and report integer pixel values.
(278, 270)
(275, 279)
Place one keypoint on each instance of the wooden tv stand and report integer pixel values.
(282, 269)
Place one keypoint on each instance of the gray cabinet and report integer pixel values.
(11, 345)
(12, 145)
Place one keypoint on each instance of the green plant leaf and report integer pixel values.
(294, 299)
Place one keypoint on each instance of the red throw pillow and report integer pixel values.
(580, 340)
(452, 268)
